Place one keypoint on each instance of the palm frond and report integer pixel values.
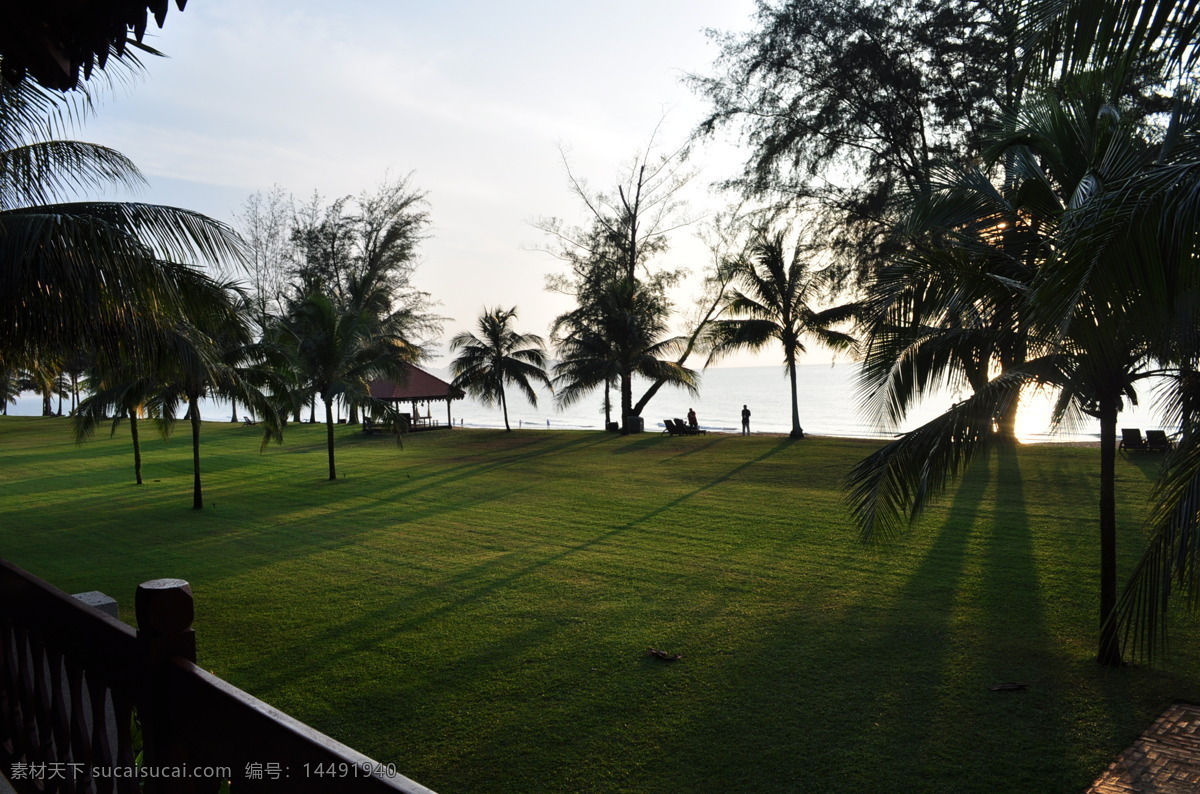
(891, 487)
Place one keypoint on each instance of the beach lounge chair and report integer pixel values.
(672, 428)
(1157, 441)
(1131, 439)
(688, 430)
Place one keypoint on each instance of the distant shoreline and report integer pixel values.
(1091, 444)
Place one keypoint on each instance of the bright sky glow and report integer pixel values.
(475, 98)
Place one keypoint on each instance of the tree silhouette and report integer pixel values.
(499, 355)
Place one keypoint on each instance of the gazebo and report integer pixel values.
(418, 387)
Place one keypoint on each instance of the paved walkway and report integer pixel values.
(1164, 760)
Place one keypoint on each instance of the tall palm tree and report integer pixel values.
(1104, 313)
(947, 311)
(336, 352)
(619, 333)
(82, 274)
(773, 302)
(499, 355)
(207, 353)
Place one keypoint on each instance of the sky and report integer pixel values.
(478, 100)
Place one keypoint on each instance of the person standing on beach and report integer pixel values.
(693, 422)
(745, 420)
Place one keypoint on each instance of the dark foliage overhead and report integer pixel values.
(52, 40)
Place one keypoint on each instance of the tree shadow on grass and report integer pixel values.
(701, 445)
(1150, 464)
(902, 692)
(902, 698)
(421, 608)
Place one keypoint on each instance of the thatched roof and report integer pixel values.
(52, 40)
(418, 386)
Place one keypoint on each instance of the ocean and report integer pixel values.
(827, 400)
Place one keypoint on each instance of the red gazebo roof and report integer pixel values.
(419, 385)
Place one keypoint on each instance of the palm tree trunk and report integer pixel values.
(194, 415)
(353, 420)
(233, 407)
(329, 436)
(607, 403)
(504, 405)
(1110, 648)
(1006, 426)
(626, 401)
(137, 446)
(797, 431)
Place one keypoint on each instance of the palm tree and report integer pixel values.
(499, 356)
(80, 274)
(10, 389)
(620, 332)
(206, 369)
(41, 375)
(207, 353)
(121, 394)
(210, 353)
(948, 310)
(1104, 309)
(775, 304)
(335, 352)
(585, 360)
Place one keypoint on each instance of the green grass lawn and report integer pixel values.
(476, 607)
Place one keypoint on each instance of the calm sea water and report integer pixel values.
(827, 398)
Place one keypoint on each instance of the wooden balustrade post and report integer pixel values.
(165, 611)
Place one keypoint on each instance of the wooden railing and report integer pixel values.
(88, 704)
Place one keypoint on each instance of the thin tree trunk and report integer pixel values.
(312, 411)
(194, 413)
(626, 402)
(797, 431)
(1109, 653)
(329, 436)
(47, 403)
(607, 403)
(1006, 426)
(233, 406)
(504, 405)
(137, 446)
